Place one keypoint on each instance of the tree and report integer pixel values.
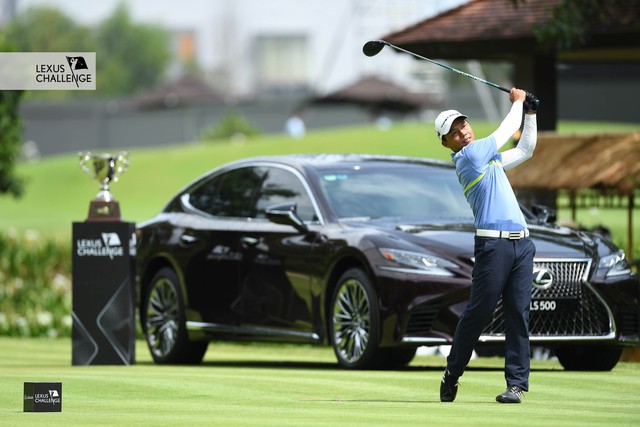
(571, 21)
(131, 56)
(10, 137)
(45, 29)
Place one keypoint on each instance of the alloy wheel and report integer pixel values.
(351, 321)
(162, 317)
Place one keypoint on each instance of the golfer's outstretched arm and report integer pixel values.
(511, 123)
(527, 144)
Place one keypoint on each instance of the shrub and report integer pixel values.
(35, 285)
(233, 126)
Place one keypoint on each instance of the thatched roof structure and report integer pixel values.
(377, 95)
(607, 162)
(186, 90)
(498, 29)
(572, 162)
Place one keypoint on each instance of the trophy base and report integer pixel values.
(104, 211)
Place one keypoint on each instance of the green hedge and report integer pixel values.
(35, 285)
(233, 126)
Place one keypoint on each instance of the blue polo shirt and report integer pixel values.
(487, 188)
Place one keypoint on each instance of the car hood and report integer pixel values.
(550, 241)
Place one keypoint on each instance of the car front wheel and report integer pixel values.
(355, 321)
(164, 322)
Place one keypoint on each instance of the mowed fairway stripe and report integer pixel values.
(270, 385)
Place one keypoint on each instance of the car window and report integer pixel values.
(280, 187)
(400, 192)
(247, 193)
(230, 194)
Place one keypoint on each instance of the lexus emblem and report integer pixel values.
(542, 278)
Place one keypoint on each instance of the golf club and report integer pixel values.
(373, 47)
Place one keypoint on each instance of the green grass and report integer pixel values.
(58, 192)
(271, 385)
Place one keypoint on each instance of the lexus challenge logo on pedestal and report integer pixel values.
(47, 71)
(109, 245)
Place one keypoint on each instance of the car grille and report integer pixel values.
(577, 311)
(630, 322)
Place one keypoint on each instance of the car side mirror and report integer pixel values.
(544, 214)
(286, 215)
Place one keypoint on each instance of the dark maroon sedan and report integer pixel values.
(370, 254)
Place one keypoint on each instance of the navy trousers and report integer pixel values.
(504, 268)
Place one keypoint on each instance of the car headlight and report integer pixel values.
(415, 262)
(615, 264)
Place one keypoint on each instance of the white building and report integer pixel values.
(314, 45)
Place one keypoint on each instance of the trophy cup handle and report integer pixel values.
(85, 157)
(121, 164)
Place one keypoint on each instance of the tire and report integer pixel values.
(588, 358)
(354, 322)
(164, 322)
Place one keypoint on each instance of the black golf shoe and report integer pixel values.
(448, 387)
(513, 394)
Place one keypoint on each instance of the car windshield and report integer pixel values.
(406, 190)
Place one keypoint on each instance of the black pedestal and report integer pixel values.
(103, 294)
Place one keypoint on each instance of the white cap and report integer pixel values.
(445, 120)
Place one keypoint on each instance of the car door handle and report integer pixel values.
(249, 241)
(188, 239)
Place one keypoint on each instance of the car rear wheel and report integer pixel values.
(164, 322)
(355, 321)
(588, 358)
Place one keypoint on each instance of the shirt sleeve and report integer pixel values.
(527, 144)
(509, 125)
(480, 153)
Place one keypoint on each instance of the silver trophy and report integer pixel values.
(105, 168)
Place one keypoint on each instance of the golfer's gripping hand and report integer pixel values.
(517, 95)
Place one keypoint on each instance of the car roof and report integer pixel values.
(317, 161)
(323, 160)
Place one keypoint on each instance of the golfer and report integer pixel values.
(503, 251)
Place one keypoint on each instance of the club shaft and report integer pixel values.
(504, 89)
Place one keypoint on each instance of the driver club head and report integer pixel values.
(373, 47)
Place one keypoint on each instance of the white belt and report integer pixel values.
(513, 235)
